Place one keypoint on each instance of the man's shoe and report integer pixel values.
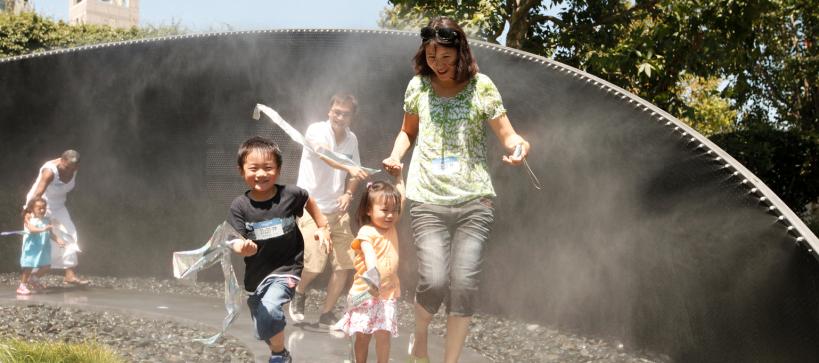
(328, 319)
(283, 357)
(297, 306)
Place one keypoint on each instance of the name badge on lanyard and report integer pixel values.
(446, 166)
(268, 229)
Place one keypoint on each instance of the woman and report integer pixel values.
(446, 108)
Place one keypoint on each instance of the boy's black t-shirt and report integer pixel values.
(282, 254)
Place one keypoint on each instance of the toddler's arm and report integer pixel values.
(372, 277)
(31, 227)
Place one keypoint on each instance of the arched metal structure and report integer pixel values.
(645, 231)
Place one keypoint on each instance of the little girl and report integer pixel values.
(372, 301)
(36, 246)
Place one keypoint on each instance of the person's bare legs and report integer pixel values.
(338, 279)
(382, 346)
(276, 343)
(41, 271)
(24, 275)
(361, 347)
(306, 278)
(457, 327)
(422, 320)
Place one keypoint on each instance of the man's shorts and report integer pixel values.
(342, 255)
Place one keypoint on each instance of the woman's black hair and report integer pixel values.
(466, 68)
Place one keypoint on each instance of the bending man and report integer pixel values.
(55, 180)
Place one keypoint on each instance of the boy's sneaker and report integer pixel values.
(283, 357)
(23, 290)
(297, 307)
(328, 319)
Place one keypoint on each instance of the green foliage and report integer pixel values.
(18, 351)
(676, 54)
(31, 33)
(813, 224)
(706, 110)
(478, 18)
(787, 161)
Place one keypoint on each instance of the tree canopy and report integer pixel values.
(741, 67)
(28, 32)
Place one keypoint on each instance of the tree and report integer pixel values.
(777, 84)
(786, 160)
(645, 48)
(722, 66)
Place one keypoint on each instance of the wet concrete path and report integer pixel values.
(306, 341)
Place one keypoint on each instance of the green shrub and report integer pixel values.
(30, 33)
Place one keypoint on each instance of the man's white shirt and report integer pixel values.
(325, 183)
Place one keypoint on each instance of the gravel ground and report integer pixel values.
(137, 339)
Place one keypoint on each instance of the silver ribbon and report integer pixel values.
(10, 233)
(299, 138)
(187, 263)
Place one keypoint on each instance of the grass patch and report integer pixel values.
(19, 351)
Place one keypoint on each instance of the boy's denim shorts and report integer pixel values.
(266, 305)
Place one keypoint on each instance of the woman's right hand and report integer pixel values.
(392, 164)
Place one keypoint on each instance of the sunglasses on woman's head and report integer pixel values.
(443, 35)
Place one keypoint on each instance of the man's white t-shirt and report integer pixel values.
(324, 183)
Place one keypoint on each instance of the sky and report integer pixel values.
(211, 15)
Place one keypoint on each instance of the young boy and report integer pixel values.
(274, 248)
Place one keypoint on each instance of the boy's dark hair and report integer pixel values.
(465, 69)
(258, 143)
(343, 97)
(375, 191)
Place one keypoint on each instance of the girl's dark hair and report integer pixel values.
(30, 206)
(465, 69)
(375, 191)
(257, 143)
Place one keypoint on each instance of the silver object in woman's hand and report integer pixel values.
(518, 153)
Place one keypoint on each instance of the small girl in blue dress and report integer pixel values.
(36, 246)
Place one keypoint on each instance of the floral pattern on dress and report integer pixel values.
(451, 127)
(370, 316)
